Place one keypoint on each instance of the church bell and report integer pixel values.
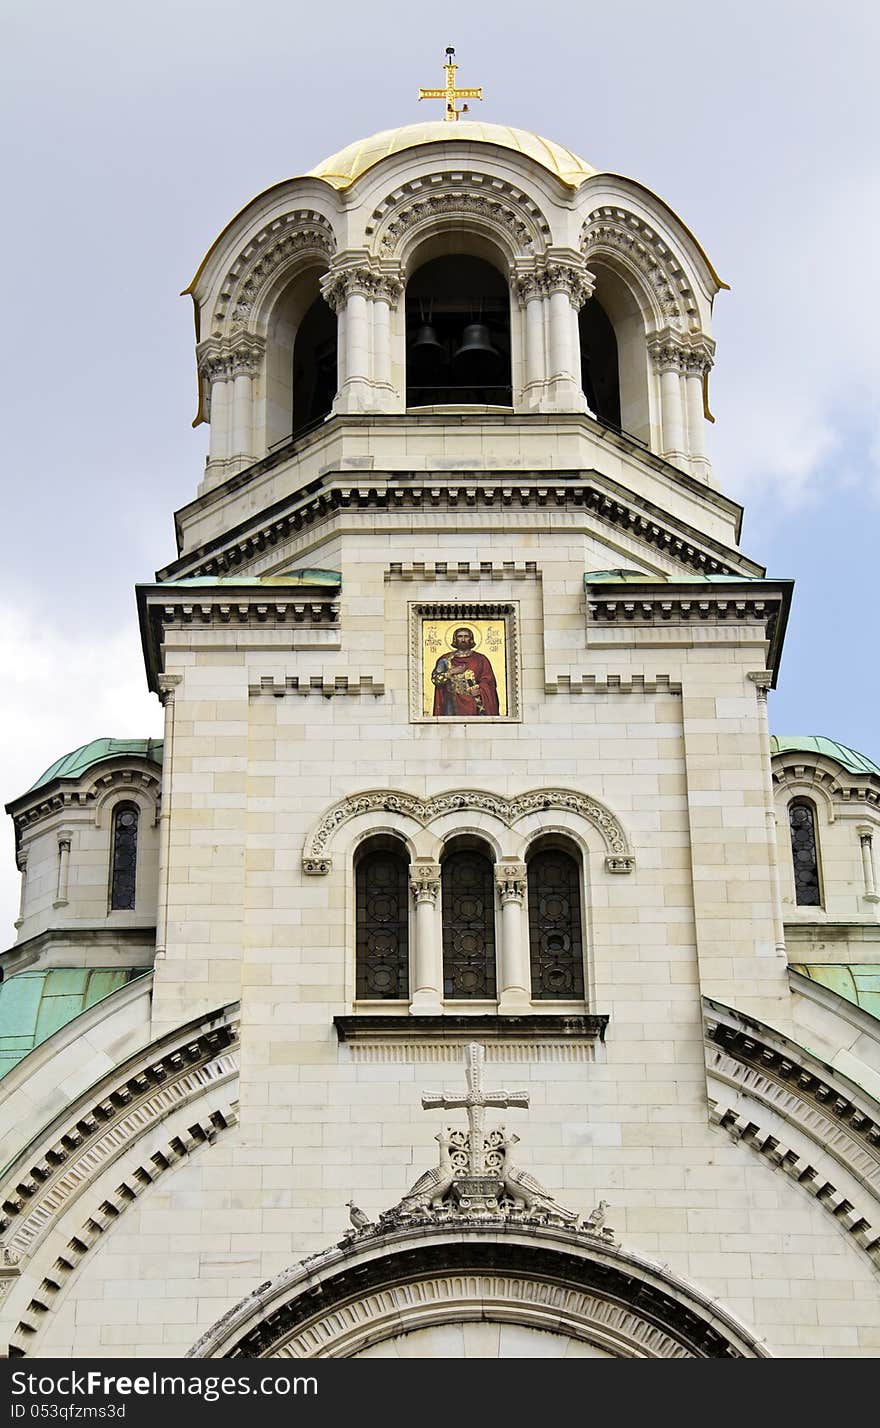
(426, 342)
(475, 342)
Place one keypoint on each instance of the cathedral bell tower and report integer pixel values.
(460, 846)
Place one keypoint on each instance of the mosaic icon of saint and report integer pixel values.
(463, 679)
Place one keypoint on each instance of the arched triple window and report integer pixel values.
(382, 928)
(468, 898)
(555, 938)
(804, 853)
(123, 857)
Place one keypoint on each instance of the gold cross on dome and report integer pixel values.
(450, 93)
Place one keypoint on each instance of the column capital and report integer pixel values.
(562, 272)
(511, 880)
(167, 684)
(424, 880)
(220, 359)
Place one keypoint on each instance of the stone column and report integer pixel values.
(866, 840)
(669, 360)
(426, 997)
(385, 299)
(64, 840)
(167, 685)
(215, 372)
(762, 681)
(527, 285)
(568, 286)
(349, 290)
(246, 360)
(697, 367)
(514, 991)
(21, 861)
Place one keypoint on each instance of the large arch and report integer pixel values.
(378, 1285)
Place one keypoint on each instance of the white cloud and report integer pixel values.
(66, 689)
(799, 360)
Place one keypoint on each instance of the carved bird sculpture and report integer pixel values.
(432, 1187)
(520, 1186)
(357, 1217)
(596, 1218)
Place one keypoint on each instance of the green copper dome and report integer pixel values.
(76, 763)
(850, 759)
(34, 1005)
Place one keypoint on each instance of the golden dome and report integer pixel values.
(342, 169)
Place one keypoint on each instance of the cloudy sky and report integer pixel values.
(132, 133)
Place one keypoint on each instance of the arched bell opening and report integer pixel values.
(600, 376)
(314, 366)
(458, 334)
(301, 359)
(613, 328)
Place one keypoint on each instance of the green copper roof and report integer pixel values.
(855, 982)
(33, 1005)
(643, 577)
(310, 578)
(76, 763)
(850, 759)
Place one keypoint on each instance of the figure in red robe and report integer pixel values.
(464, 681)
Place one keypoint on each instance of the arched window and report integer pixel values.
(457, 334)
(600, 376)
(468, 891)
(804, 853)
(382, 930)
(123, 857)
(555, 940)
(314, 366)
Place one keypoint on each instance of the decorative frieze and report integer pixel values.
(424, 811)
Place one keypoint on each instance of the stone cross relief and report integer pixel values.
(474, 1102)
(476, 1178)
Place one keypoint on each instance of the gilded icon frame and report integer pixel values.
(464, 684)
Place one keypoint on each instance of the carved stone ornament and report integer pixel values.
(301, 235)
(624, 233)
(342, 281)
(476, 1177)
(671, 353)
(511, 879)
(507, 810)
(424, 880)
(554, 276)
(223, 359)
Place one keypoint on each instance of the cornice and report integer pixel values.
(650, 603)
(800, 766)
(354, 423)
(129, 771)
(789, 1084)
(103, 1122)
(28, 953)
(367, 499)
(162, 607)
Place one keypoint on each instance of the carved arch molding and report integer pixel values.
(423, 811)
(298, 239)
(338, 1304)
